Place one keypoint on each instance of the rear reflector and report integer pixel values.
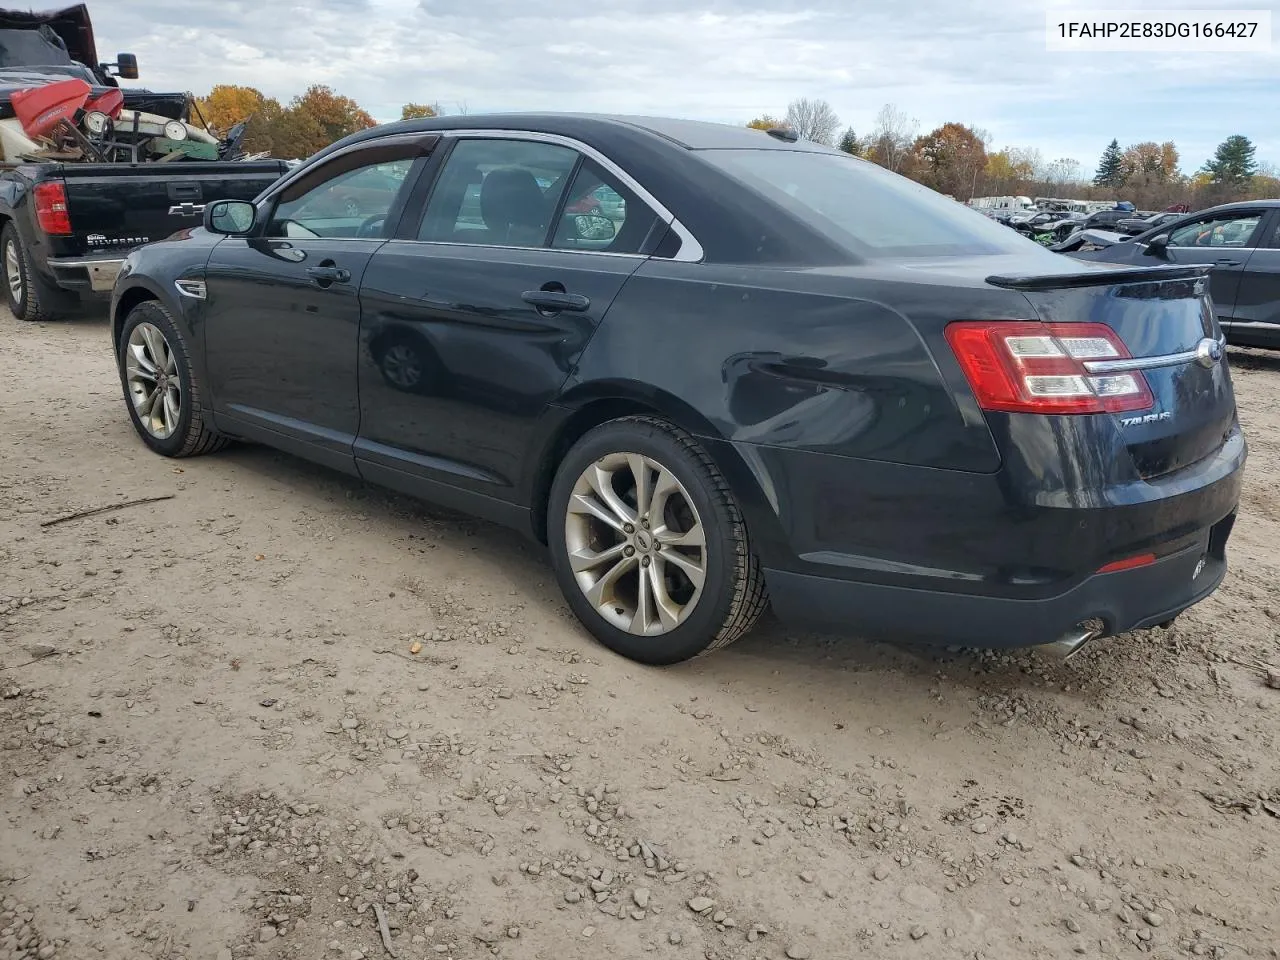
(51, 208)
(1129, 563)
(1028, 367)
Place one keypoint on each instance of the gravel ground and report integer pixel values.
(282, 715)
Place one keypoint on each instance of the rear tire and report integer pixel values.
(161, 390)
(28, 296)
(658, 584)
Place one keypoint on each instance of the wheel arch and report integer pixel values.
(586, 406)
(124, 303)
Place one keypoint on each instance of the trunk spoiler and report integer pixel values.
(1099, 278)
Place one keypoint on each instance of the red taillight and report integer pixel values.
(51, 208)
(1028, 367)
(1129, 563)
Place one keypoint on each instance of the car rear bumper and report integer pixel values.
(1126, 600)
(90, 276)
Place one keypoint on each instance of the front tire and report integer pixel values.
(648, 545)
(161, 390)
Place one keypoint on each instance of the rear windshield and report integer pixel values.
(864, 207)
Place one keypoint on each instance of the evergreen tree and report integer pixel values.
(1111, 169)
(850, 143)
(1233, 162)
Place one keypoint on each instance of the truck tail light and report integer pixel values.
(1028, 367)
(51, 208)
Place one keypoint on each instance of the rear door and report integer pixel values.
(474, 316)
(1256, 318)
(1223, 240)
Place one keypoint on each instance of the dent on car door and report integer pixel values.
(474, 316)
(282, 305)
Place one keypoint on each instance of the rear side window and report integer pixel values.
(865, 208)
(1228, 230)
(600, 213)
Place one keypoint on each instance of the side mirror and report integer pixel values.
(126, 66)
(1158, 245)
(232, 218)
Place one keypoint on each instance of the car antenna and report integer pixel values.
(782, 133)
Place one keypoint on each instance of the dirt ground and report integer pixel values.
(218, 741)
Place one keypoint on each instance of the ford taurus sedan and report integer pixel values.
(773, 374)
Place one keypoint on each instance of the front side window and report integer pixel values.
(498, 192)
(864, 208)
(354, 204)
(1222, 231)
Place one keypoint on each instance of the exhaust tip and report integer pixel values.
(1072, 642)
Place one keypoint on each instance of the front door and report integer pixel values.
(283, 312)
(473, 322)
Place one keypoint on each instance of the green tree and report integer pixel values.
(1111, 168)
(1233, 163)
(850, 143)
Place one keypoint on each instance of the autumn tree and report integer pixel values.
(1233, 162)
(227, 104)
(418, 111)
(1111, 167)
(766, 122)
(891, 139)
(813, 120)
(950, 158)
(336, 115)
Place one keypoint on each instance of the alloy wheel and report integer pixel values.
(13, 271)
(636, 544)
(151, 369)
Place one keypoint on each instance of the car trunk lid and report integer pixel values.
(1165, 319)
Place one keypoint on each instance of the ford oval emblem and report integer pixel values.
(1208, 352)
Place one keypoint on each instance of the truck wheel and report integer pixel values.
(648, 544)
(164, 396)
(28, 296)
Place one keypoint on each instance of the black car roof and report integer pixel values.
(690, 134)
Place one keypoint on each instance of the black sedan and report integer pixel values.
(1241, 241)
(769, 372)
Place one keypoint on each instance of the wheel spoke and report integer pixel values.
(148, 402)
(601, 481)
(668, 610)
(693, 537)
(170, 359)
(144, 365)
(667, 485)
(170, 410)
(588, 559)
(640, 620)
(150, 336)
(642, 472)
(581, 504)
(691, 568)
(603, 588)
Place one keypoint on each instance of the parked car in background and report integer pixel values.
(787, 375)
(1132, 226)
(1241, 241)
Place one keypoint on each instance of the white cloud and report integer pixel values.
(712, 59)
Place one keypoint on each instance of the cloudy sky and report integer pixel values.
(980, 63)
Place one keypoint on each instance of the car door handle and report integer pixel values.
(1225, 262)
(329, 274)
(555, 300)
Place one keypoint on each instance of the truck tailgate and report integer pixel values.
(116, 207)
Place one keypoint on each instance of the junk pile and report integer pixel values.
(57, 103)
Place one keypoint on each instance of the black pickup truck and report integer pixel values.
(66, 225)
